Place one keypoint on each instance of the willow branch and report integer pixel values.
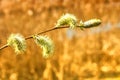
(30, 37)
(52, 29)
(4, 46)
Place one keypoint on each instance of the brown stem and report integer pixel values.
(55, 28)
(29, 37)
(4, 46)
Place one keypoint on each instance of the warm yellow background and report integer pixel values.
(92, 54)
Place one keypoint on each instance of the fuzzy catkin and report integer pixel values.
(46, 44)
(17, 41)
(67, 19)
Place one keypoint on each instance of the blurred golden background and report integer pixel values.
(92, 54)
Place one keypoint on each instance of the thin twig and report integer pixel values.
(4, 46)
(55, 28)
(30, 37)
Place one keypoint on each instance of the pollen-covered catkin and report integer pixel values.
(46, 44)
(17, 41)
(67, 19)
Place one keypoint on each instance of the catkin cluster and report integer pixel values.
(18, 42)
